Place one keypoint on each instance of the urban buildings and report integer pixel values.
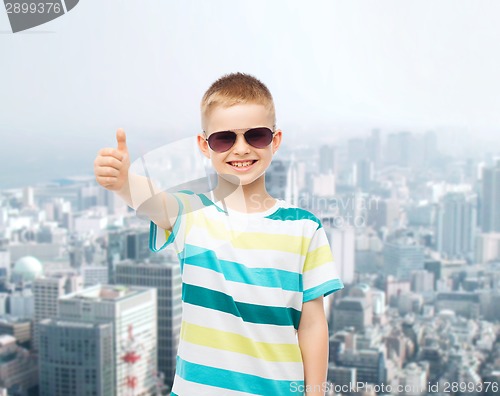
(163, 274)
(131, 313)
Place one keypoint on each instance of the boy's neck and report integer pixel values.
(250, 198)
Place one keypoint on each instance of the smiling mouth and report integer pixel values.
(241, 164)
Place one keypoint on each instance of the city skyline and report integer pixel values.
(420, 303)
(335, 69)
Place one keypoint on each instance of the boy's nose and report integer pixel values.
(241, 146)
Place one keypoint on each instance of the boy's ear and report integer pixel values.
(203, 145)
(277, 140)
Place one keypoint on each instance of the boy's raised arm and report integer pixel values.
(111, 169)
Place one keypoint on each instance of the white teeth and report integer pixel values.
(241, 164)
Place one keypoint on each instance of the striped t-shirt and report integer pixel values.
(244, 279)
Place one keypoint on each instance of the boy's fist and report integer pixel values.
(111, 164)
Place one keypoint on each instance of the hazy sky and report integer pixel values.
(335, 67)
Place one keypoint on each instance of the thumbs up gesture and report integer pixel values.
(112, 164)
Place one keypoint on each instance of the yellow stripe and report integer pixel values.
(249, 240)
(237, 343)
(317, 258)
(280, 242)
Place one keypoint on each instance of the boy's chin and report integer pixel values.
(233, 179)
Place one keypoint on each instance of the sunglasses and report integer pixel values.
(259, 137)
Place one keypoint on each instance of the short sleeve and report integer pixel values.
(319, 274)
(160, 238)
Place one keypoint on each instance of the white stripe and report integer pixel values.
(182, 387)
(257, 258)
(241, 292)
(288, 371)
(224, 321)
(291, 227)
(319, 275)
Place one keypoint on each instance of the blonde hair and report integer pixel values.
(236, 88)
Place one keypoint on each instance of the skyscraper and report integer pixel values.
(162, 273)
(456, 223)
(490, 206)
(399, 148)
(76, 358)
(342, 241)
(363, 174)
(276, 179)
(373, 147)
(126, 244)
(46, 292)
(132, 313)
(327, 163)
(403, 256)
(292, 187)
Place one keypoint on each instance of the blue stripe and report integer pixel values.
(234, 380)
(203, 198)
(322, 290)
(207, 202)
(236, 272)
(251, 313)
(153, 230)
(294, 214)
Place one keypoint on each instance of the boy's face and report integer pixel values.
(239, 118)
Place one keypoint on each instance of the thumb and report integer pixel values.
(121, 139)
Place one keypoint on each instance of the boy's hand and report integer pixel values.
(111, 165)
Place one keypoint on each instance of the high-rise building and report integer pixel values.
(373, 147)
(487, 247)
(16, 327)
(28, 197)
(342, 241)
(465, 304)
(363, 174)
(413, 379)
(430, 147)
(126, 244)
(94, 274)
(490, 200)
(422, 281)
(22, 303)
(403, 256)
(383, 213)
(17, 368)
(4, 263)
(76, 358)
(46, 293)
(276, 179)
(370, 364)
(456, 225)
(162, 273)
(342, 377)
(292, 187)
(399, 148)
(327, 163)
(132, 313)
(356, 149)
(352, 312)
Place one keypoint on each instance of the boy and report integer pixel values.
(254, 268)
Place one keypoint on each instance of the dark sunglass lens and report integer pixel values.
(221, 141)
(259, 137)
